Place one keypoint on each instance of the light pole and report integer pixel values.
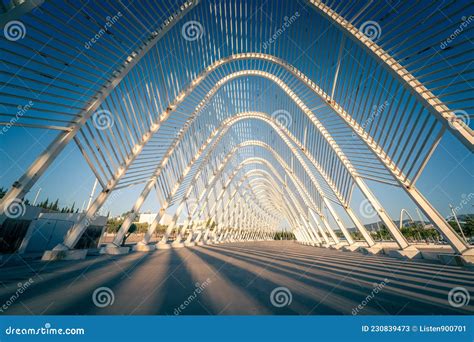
(36, 197)
(457, 222)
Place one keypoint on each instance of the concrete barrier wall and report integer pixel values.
(49, 229)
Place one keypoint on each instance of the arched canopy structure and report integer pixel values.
(241, 121)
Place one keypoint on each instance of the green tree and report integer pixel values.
(382, 234)
(44, 204)
(55, 205)
(356, 235)
(284, 236)
(467, 225)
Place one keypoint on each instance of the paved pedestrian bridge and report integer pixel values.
(278, 277)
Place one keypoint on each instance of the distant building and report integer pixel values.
(149, 217)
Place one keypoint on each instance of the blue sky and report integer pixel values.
(447, 178)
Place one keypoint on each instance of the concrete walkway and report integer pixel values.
(277, 277)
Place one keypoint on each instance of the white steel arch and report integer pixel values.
(424, 95)
(222, 129)
(300, 190)
(143, 110)
(457, 243)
